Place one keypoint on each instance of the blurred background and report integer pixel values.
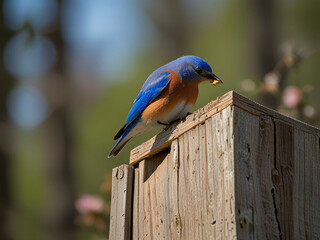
(70, 70)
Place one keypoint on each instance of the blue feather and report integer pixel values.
(150, 90)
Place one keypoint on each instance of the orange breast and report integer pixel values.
(175, 92)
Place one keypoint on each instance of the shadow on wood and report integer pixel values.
(232, 170)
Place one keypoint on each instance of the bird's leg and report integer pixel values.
(164, 124)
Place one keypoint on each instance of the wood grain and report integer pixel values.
(246, 130)
(206, 182)
(284, 166)
(121, 199)
(135, 205)
(158, 216)
(254, 162)
(266, 223)
(305, 187)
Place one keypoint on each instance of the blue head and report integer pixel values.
(193, 68)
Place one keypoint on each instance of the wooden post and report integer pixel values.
(121, 200)
(232, 170)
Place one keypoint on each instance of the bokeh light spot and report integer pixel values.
(27, 59)
(26, 106)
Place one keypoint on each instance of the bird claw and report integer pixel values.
(184, 119)
(166, 128)
(167, 125)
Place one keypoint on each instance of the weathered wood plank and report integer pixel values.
(254, 160)
(284, 166)
(246, 130)
(175, 217)
(158, 204)
(189, 185)
(313, 154)
(206, 189)
(223, 129)
(313, 193)
(121, 200)
(266, 224)
(277, 207)
(306, 189)
(144, 222)
(135, 206)
(215, 187)
(299, 186)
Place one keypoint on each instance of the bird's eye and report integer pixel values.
(198, 70)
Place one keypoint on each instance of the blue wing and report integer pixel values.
(150, 90)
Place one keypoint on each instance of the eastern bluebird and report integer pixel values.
(168, 94)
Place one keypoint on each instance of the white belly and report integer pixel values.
(178, 112)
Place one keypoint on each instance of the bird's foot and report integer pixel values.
(176, 121)
(184, 119)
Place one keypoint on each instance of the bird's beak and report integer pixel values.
(214, 79)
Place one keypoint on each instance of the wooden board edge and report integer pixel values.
(121, 202)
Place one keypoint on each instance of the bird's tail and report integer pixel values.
(124, 139)
(118, 147)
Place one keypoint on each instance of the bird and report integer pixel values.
(168, 95)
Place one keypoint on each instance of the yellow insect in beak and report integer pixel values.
(215, 82)
(214, 79)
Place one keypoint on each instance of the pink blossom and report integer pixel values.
(292, 96)
(88, 203)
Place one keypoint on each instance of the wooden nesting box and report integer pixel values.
(232, 170)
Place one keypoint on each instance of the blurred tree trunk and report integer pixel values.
(264, 43)
(264, 35)
(61, 193)
(6, 83)
(171, 21)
